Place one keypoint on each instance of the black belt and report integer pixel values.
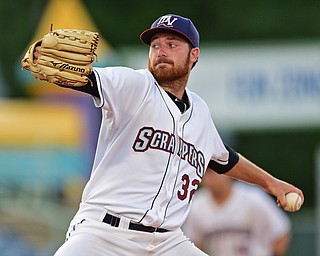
(114, 222)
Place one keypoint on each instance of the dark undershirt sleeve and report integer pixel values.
(90, 88)
(220, 168)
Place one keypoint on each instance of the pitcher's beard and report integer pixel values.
(169, 74)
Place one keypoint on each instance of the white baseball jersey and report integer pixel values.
(246, 225)
(150, 157)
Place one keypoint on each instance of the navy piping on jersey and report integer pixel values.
(175, 182)
(169, 159)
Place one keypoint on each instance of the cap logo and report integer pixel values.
(166, 21)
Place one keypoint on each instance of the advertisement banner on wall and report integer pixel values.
(260, 86)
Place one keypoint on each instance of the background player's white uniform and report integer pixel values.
(246, 225)
(150, 157)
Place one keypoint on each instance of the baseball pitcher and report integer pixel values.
(156, 140)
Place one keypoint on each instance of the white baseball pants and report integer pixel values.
(93, 238)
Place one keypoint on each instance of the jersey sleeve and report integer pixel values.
(225, 166)
(122, 92)
(120, 85)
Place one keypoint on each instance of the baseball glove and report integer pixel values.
(64, 58)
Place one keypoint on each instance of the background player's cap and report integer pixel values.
(174, 24)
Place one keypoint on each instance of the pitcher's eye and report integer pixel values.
(155, 46)
(172, 45)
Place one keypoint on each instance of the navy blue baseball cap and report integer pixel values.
(173, 24)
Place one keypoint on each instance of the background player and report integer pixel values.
(230, 218)
(156, 140)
